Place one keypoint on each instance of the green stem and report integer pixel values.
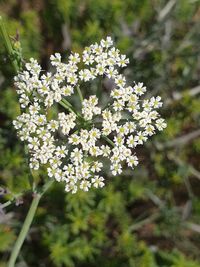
(108, 140)
(24, 230)
(8, 44)
(27, 223)
(11, 201)
(79, 93)
(6, 204)
(65, 104)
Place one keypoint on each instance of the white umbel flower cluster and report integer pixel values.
(73, 147)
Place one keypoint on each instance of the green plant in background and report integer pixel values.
(161, 40)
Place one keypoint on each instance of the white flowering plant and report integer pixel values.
(74, 145)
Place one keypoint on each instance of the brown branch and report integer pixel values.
(179, 141)
(148, 220)
(179, 162)
(176, 96)
(166, 10)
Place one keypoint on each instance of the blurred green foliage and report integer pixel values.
(146, 218)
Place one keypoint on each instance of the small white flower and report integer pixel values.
(74, 58)
(132, 161)
(106, 43)
(66, 122)
(74, 139)
(33, 143)
(85, 185)
(156, 102)
(116, 169)
(53, 125)
(105, 150)
(95, 151)
(139, 89)
(161, 124)
(97, 181)
(90, 107)
(140, 138)
(131, 141)
(96, 166)
(76, 156)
